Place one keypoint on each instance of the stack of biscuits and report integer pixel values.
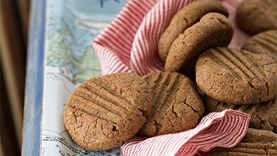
(105, 112)
(246, 79)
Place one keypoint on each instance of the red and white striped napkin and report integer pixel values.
(223, 129)
(129, 44)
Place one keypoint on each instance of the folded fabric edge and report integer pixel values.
(213, 118)
(244, 118)
(109, 62)
(123, 27)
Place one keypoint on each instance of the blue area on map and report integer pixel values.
(102, 2)
(98, 10)
(76, 14)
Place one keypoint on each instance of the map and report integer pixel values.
(69, 60)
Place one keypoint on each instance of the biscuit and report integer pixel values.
(263, 43)
(177, 105)
(237, 76)
(263, 115)
(185, 18)
(255, 143)
(212, 30)
(254, 16)
(105, 112)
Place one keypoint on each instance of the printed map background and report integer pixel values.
(71, 25)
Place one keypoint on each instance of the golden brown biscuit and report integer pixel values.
(254, 16)
(105, 112)
(237, 76)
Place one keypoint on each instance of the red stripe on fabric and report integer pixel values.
(144, 5)
(119, 45)
(136, 55)
(127, 26)
(116, 44)
(135, 14)
(141, 59)
(113, 44)
(135, 18)
(132, 26)
(131, 15)
(115, 66)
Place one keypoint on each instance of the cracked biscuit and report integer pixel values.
(185, 18)
(177, 105)
(237, 76)
(255, 143)
(263, 43)
(105, 112)
(254, 16)
(263, 115)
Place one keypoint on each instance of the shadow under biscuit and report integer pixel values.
(255, 143)
(263, 115)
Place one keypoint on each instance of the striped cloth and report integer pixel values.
(129, 44)
(224, 129)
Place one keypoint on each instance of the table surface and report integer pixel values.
(60, 57)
